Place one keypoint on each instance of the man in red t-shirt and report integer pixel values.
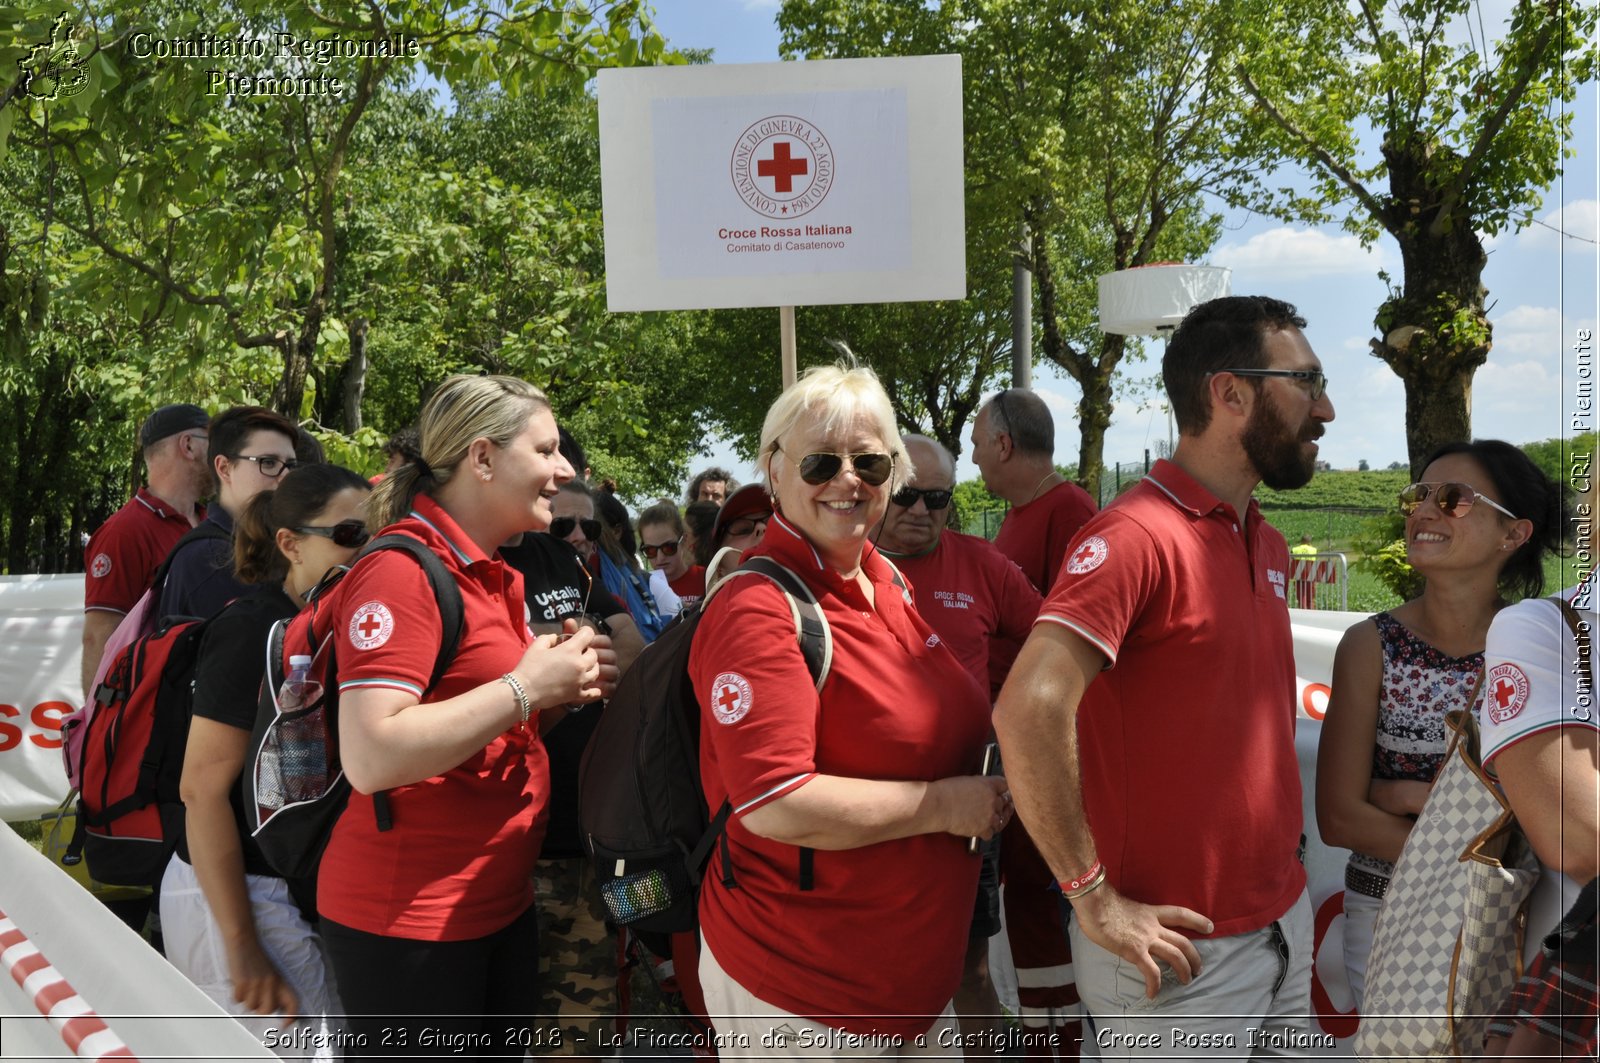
(1013, 445)
(1148, 724)
(969, 594)
(124, 553)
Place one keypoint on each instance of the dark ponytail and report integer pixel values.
(301, 495)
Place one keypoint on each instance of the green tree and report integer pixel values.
(1467, 136)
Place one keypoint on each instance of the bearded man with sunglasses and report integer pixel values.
(1148, 724)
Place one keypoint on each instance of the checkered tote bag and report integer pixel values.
(1448, 945)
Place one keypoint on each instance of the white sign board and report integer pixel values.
(783, 184)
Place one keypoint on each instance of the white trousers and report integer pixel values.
(1251, 1000)
(194, 946)
(750, 1028)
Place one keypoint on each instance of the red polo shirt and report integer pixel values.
(691, 586)
(458, 863)
(124, 553)
(968, 591)
(1036, 534)
(1190, 779)
(881, 935)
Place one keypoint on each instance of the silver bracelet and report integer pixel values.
(524, 706)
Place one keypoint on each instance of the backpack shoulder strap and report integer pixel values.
(445, 592)
(1581, 637)
(206, 529)
(898, 579)
(810, 626)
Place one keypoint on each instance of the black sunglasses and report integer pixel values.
(562, 527)
(1317, 383)
(1453, 499)
(870, 468)
(745, 526)
(932, 497)
(668, 549)
(346, 533)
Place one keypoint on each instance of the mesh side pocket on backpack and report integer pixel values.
(652, 891)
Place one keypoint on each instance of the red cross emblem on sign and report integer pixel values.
(781, 168)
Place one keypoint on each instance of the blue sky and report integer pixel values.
(1542, 289)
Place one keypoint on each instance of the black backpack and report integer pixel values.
(640, 803)
(293, 783)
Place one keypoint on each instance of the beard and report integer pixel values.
(1275, 451)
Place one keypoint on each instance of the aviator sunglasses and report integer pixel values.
(870, 468)
(562, 527)
(1453, 499)
(667, 549)
(932, 497)
(346, 533)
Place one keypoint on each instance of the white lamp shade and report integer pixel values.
(1145, 300)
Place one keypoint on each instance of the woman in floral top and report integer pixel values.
(1478, 525)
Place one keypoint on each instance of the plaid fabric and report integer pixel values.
(1558, 998)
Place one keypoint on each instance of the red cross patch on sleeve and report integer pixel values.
(1090, 555)
(371, 625)
(1505, 691)
(730, 697)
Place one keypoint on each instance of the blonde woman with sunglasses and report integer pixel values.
(838, 906)
(1478, 526)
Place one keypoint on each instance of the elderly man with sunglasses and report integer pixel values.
(1148, 724)
(972, 595)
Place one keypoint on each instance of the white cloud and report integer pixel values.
(1290, 252)
(1526, 330)
(762, 5)
(1579, 219)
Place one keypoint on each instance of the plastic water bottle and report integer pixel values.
(303, 742)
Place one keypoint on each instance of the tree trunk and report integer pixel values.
(355, 375)
(1094, 414)
(1434, 333)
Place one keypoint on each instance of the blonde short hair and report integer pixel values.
(836, 395)
(464, 408)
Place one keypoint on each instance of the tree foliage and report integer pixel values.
(1468, 133)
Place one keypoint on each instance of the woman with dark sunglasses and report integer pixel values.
(839, 905)
(664, 541)
(232, 924)
(1478, 526)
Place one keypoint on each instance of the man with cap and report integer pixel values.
(740, 523)
(125, 552)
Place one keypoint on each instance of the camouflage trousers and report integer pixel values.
(577, 960)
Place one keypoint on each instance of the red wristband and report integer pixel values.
(1071, 886)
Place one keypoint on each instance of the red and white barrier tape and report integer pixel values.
(85, 1034)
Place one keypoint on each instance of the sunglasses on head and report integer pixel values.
(562, 527)
(666, 549)
(932, 497)
(1453, 499)
(347, 533)
(870, 468)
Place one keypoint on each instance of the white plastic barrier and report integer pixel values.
(93, 959)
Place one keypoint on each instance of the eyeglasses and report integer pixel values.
(1317, 383)
(346, 533)
(870, 468)
(666, 549)
(269, 465)
(1453, 499)
(932, 497)
(562, 527)
(745, 526)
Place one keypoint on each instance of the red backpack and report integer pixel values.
(124, 748)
